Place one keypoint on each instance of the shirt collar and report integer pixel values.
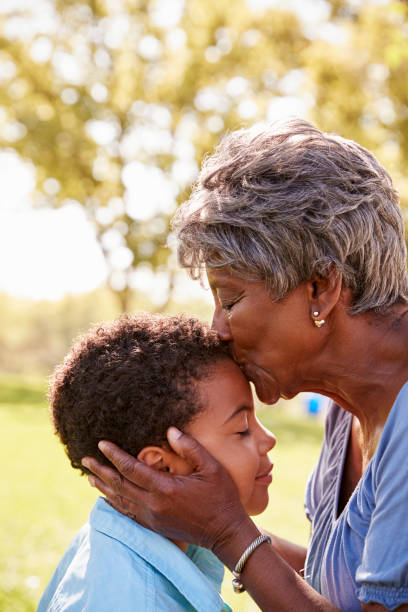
(197, 574)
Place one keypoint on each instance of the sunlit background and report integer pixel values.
(107, 108)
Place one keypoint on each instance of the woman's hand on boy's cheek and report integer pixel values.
(200, 508)
(120, 492)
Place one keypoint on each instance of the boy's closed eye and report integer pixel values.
(239, 420)
(245, 432)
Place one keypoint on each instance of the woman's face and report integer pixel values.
(273, 342)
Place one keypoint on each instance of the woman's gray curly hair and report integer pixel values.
(287, 202)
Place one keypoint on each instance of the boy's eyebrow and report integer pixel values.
(242, 408)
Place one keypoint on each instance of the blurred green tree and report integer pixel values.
(359, 77)
(116, 102)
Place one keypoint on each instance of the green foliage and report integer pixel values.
(35, 336)
(109, 90)
(16, 599)
(42, 502)
(360, 85)
(45, 502)
(16, 390)
(116, 68)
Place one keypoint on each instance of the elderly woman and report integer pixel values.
(302, 241)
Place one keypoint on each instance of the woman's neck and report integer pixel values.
(363, 368)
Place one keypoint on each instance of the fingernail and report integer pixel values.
(102, 445)
(91, 480)
(85, 462)
(174, 434)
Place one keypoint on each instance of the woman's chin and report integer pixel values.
(267, 397)
(266, 388)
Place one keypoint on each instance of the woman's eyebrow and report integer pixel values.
(219, 283)
(242, 408)
(215, 285)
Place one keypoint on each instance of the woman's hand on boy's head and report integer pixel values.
(201, 508)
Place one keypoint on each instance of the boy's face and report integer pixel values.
(230, 431)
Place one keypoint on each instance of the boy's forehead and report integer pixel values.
(225, 391)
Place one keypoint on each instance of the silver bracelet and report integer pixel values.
(236, 583)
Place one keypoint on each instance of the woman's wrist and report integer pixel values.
(235, 539)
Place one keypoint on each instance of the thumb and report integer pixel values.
(189, 448)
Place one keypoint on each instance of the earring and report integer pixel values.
(320, 323)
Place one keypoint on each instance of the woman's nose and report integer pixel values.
(221, 325)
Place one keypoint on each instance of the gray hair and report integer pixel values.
(288, 202)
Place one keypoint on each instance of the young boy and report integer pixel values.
(128, 382)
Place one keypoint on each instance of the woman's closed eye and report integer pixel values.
(227, 305)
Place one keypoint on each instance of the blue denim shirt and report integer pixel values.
(115, 564)
(361, 555)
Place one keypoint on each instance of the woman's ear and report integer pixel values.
(324, 293)
(164, 460)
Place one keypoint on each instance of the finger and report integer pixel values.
(120, 509)
(117, 501)
(105, 473)
(109, 481)
(190, 449)
(99, 484)
(131, 472)
(102, 478)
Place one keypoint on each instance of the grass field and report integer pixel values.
(44, 502)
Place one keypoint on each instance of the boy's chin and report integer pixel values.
(256, 512)
(255, 509)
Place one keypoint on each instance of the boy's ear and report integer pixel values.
(164, 459)
(152, 456)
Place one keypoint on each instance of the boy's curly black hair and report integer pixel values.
(129, 380)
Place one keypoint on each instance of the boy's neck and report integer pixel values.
(181, 545)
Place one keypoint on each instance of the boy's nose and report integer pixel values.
(269, 440)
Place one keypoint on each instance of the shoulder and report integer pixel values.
(117, 560)
(383, 574)
(390, 456)
(95, 573)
